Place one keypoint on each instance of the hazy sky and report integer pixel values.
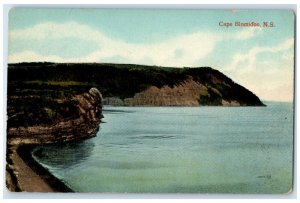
(261, 59)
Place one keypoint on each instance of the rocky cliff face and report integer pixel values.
(44, 119)
(113, 101)
(87, 113)
(187, 93)
(190, 92)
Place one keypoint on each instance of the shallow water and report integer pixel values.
(181, 149)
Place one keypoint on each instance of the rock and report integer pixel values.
(88, 107)
(187, 93)
(96, 94)
(113, 101)
(230, 103)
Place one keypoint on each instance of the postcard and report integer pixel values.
(150, 101)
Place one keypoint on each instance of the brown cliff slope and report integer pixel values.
(84, 122)
(186, 93)
(77, 117)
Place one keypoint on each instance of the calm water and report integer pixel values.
(181, 149)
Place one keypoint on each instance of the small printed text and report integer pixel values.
(265, 24)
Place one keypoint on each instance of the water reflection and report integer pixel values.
(113, 164)
(116, 111)
(65, 155)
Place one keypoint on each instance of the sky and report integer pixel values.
(258, 58)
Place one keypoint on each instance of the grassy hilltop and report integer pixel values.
(34, 88)
(120, 80)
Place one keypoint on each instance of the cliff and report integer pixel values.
(187, 93)
(32, 121)
(80, 119)
(131, 84)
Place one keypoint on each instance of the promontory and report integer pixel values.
(61, 102)
(130, 84)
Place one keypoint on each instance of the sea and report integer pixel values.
(237, 150)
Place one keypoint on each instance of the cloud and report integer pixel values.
(250, 57)
(30, 56)
(52, 30)
(270, 78)
(184, 50)
(248, 33)
(192, 46)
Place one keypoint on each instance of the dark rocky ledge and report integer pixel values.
(23, 173)
(87, 114)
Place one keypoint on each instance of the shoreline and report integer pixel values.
(21, 165)
(72, 118)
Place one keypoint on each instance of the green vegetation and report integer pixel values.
(117, 80)
(57, 83)
(37, 92)
(30, 111)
